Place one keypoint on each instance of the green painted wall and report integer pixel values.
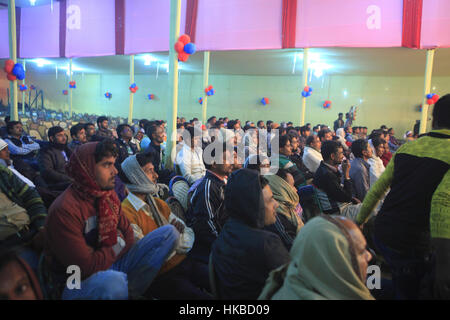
(385, 100)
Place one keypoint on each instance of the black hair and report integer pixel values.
(231, 124)
(310, 140)
(143, 122)
(358, 146)
(101, 119)
(76, 129)
(120, 127)
(322, 133)
(151, 129)
(87, 125)
(10, 125)
(283, 141)
(7, 119)
(145, 158)
(54, 130)
(340, 114)
(282, 173)
(328, 148)
(263, 181)
(377, 141)
(105, 148)
(441, 112)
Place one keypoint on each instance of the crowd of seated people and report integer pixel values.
(103, 197)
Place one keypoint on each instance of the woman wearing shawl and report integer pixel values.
(180, 277)
(289, 210)
(328, 262)
(340, 134)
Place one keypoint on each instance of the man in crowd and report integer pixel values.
(339, 123)
(334, 198)
(311, 155)
(103, 131)
(78, 134)
(206, 212)
(89, 128)
(360, 168)
(86, 228)
(53, 158)
(156, 134)
(190, 157)
(325, 135)
(126, 147)
(412, 226)
(21, 146)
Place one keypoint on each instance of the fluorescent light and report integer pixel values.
(41, 62)
(345, 92)
(148, 59)
(32, 2)
(319, 68)
(312, 56)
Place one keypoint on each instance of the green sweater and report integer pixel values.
(419, 201)
(28, 198)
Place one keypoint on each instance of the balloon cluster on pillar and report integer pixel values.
(307, 91)
(210, 91)
(134, 88)
(14, 71)
(108, 95)
(200, 100)
(265, 101)
(432, 98)
(151, 96)
(327, 104)
(23, 87)
(65, 92)
(184, 47)
(72, 84)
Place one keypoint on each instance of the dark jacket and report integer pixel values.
(206, 204)
(244, 253)
(52, 165)
(104, 133)
(123, 150)
(164, 175)
(329, 181)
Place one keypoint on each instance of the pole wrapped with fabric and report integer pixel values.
(426, 90)
(205, 84)
(14, 113)
(305, 83)
(175, 15)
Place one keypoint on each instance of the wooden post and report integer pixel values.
(205, 84)
(130, 109)
(175, 14)
(14, 114)
(304, 82)
(426, 90)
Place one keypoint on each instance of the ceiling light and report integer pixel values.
(148, 59)
(32, 2)
(41, 62)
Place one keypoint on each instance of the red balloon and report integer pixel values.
(9, 66)
(435, 98)
(306, 89)
(430, 101)
(185, 39)
(183, 56)
(11, 77)
(179, 46)
(266, 100)
(210, 87)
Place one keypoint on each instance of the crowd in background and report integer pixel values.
(247, 210)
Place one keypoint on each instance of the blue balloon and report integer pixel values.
(328, 105)
(429, 96)
(308, 93)
(304, 94)
(18, 71)
(189, 48)
(310, 89)
(133, 85)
